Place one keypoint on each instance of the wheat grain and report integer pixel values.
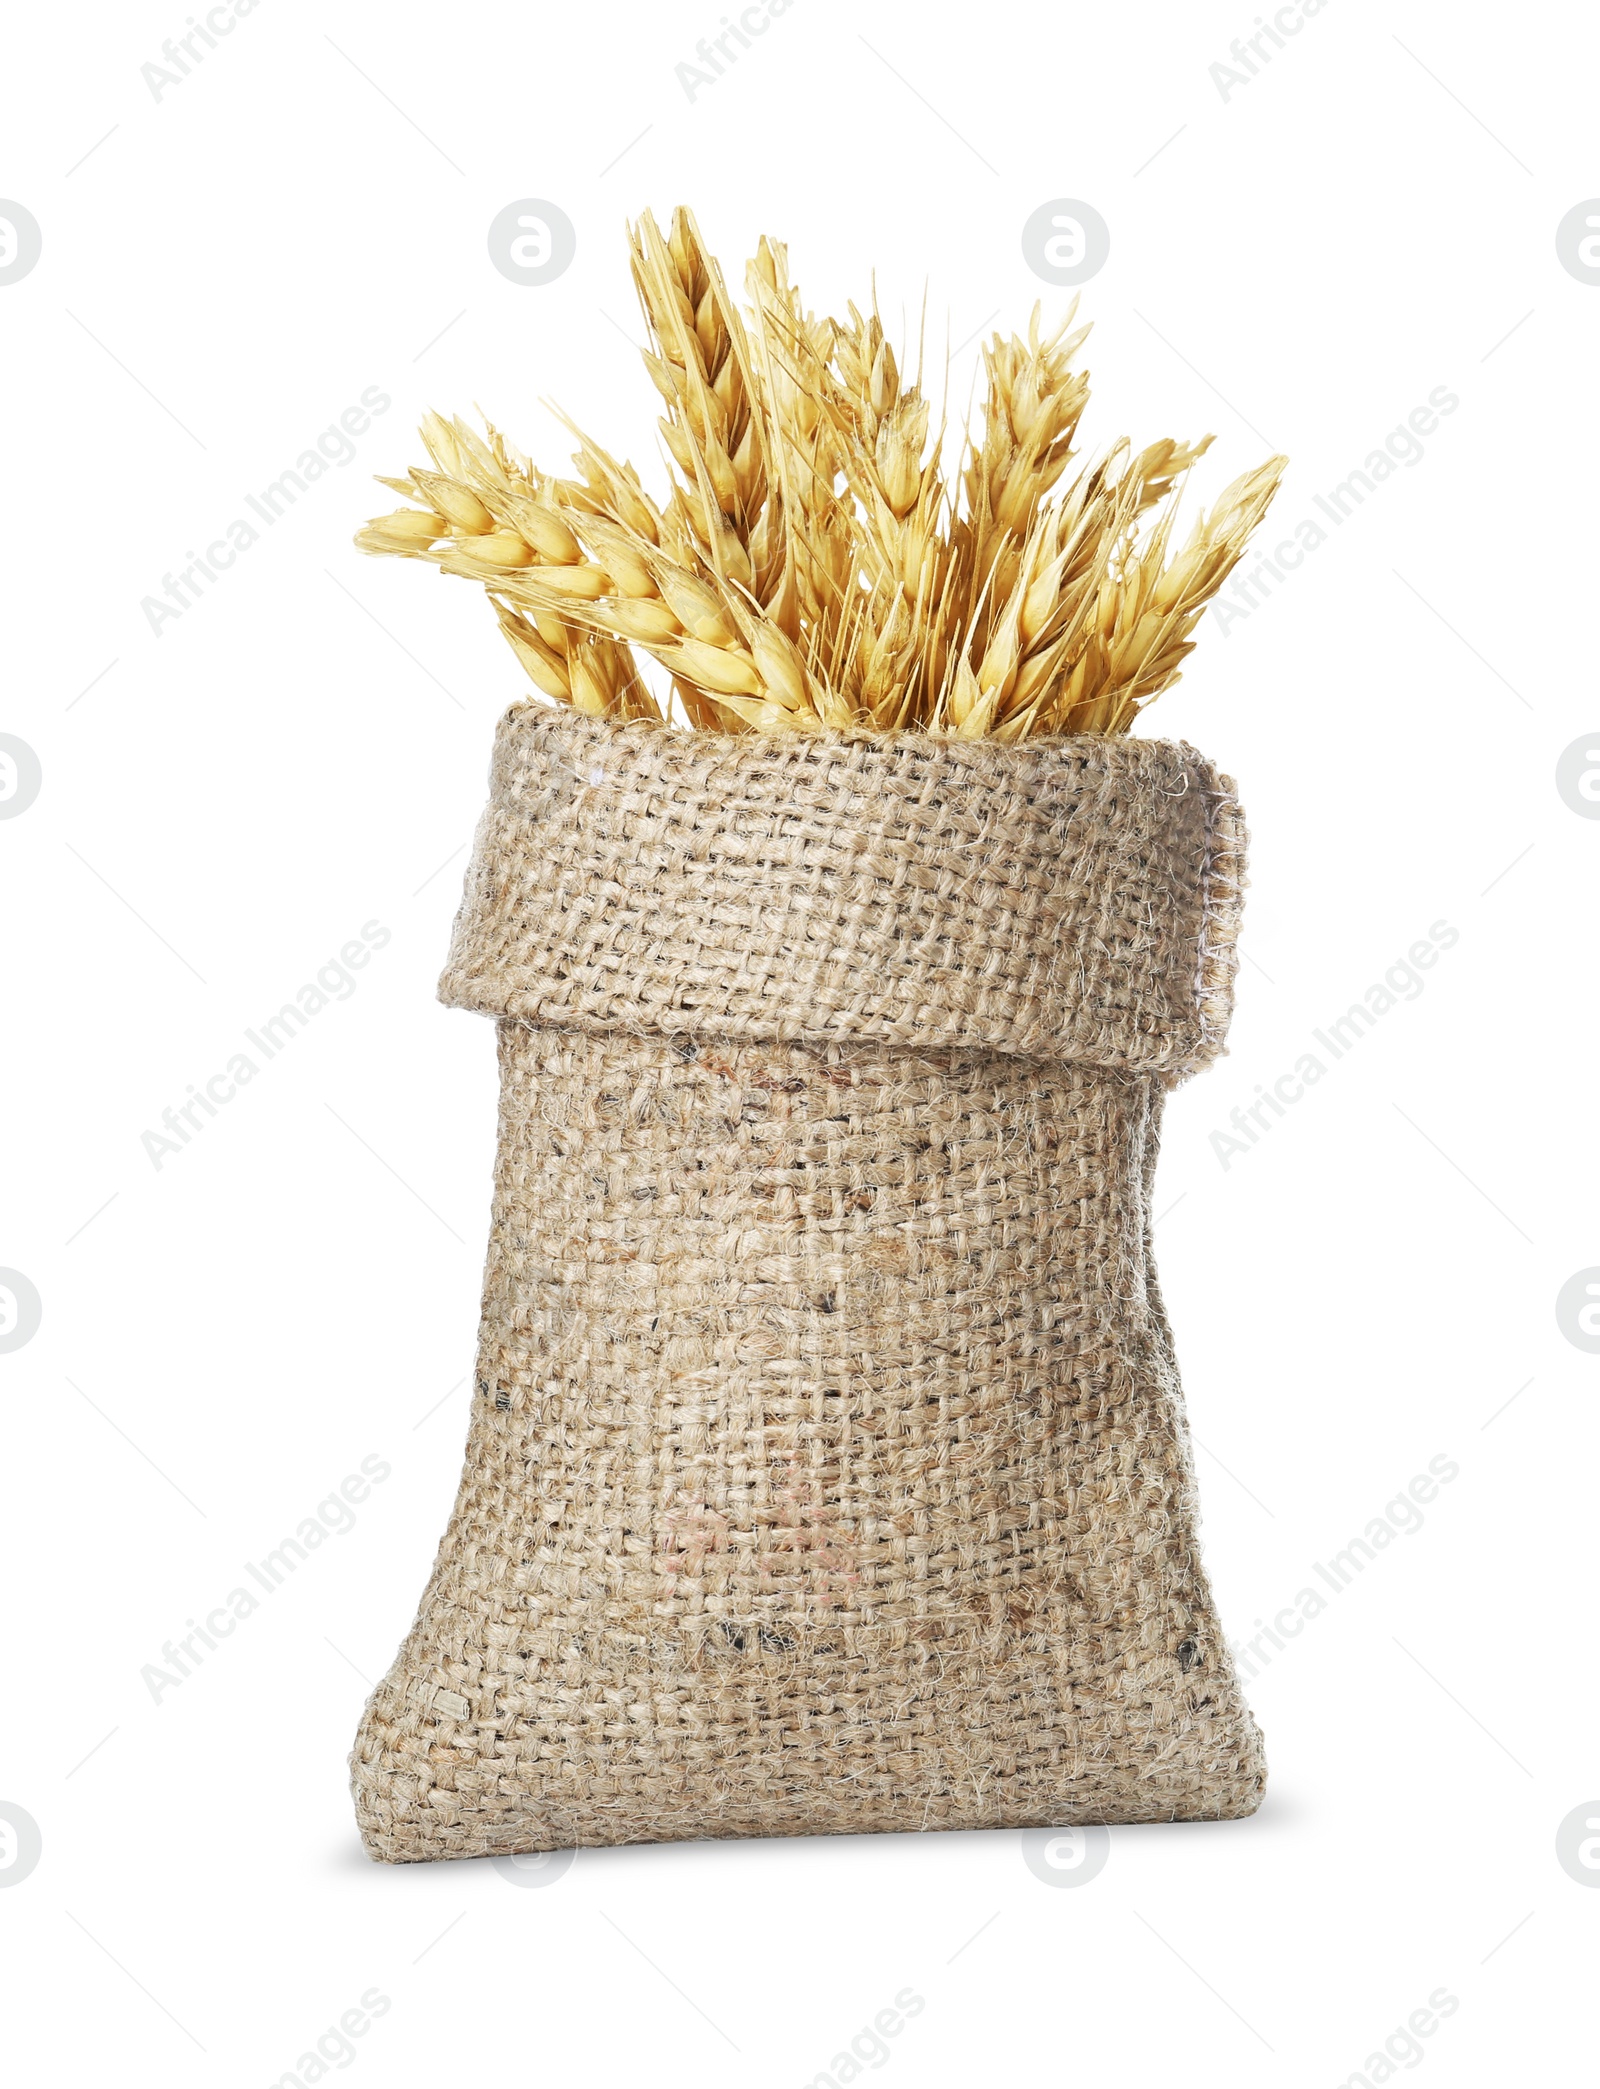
(811, 565)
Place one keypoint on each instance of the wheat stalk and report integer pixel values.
(811, 565)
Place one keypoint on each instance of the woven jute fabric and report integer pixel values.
(828, 1469)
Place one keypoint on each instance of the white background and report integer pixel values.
(1370, 1286)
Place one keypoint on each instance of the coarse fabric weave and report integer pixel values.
(828, 1469)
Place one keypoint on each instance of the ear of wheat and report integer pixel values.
(811, 565)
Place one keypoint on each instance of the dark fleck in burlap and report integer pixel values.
(828, 1469)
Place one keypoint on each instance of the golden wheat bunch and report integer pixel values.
(811, 565)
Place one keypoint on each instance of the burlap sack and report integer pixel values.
(828, 1469)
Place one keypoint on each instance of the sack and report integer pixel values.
(828, 1469)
